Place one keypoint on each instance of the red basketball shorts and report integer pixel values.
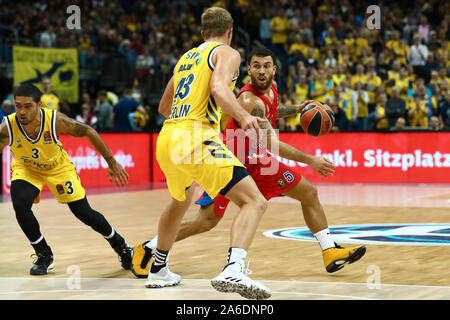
(271, 185)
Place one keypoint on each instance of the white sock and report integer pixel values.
(325, 239)
(237, 255)
(152, 243)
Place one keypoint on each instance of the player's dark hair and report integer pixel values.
(28, 90)
(261, 52)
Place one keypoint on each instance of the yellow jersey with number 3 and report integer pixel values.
(43, 153)
(192, 98)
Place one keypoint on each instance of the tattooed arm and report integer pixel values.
(72, 127)
(4, 135)
(288, 111)
(255, 106)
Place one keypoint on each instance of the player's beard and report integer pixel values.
(262, 87)
(26, 120)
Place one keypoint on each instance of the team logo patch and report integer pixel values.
(281, 183)
(60, 189)
(47, 136)
(433, 234)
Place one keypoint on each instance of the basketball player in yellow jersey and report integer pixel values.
(32, 134)
(189, 150)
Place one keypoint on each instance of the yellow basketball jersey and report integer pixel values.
(192, 98)
(43, 153)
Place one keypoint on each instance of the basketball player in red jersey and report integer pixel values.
(273, 178)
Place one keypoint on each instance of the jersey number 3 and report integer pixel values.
(35, 153)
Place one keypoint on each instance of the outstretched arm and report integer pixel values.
(274, 145)
(4, 135)
(64, 124)
(288, 111)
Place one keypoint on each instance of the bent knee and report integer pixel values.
(309, 195)
(260, 203)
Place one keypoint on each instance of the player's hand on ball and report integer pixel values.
(322, 166)
(117, 174)
(302, 105)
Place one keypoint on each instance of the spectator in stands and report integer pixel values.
(310, 61)
(320, 86)
(400, 125)
(297, 50)
(330, 60)
(305, 30)
(127, 52)
(360, 102)
(443, 111)
(301, 88)
(397, 47)
(395, 107)
(417, 56)
(381, 119)
(86, 51)
(392, 76)
(435, 124)
(418, 112)
(86, 116)
(145, 63)
(103, 112)
(359, 75)
(409, 28)
(49, 98)
(373, 83)
(443, 76)
(280, 27)
(121, 111)
(338, 75)
(341, 123)
(265, 34)
(6, 108)
(48, 36)
(424, 28)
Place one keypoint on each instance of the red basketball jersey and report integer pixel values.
(251, 152)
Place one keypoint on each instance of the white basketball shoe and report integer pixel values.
(234, 279)
(163, 278)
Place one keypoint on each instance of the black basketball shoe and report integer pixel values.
(43, 263)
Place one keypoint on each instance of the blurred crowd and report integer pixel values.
(392, 78)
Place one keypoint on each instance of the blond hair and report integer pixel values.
(215, 22)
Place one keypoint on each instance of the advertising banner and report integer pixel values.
(131, 150)
(405, 157)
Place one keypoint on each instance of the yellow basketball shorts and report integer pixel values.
(63, 182)
(187, 154)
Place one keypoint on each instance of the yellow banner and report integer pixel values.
(60, 65)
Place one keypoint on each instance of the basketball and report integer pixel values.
(317, 119)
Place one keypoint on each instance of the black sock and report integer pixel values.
(42, 247)
(160, 260)
(116, 241)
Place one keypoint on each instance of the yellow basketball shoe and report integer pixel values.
(335, 258)
(141, 260)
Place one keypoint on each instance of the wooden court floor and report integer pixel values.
(87, 268)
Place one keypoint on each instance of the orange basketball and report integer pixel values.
(317, 119)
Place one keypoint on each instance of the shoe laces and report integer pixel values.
(39, 258)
